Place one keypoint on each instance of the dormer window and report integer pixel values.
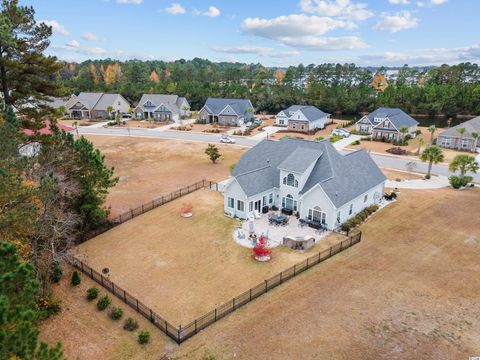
(290, 180)
(149, 104)
(377, 119)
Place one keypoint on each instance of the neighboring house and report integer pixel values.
(309, 178)
(451, 138)
(385, 123)
(162, 107)
(95, 105)
(230, 112)
(32, 148)
(302, 118)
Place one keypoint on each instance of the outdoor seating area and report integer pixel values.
(275, 227)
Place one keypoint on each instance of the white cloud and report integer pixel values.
(89, 36)
(258, 50)
(420, 4)
(303, 31)
(211, 12)
(136, 2)
(399, 2)
(438, 2)
(92, 51)
(336, 8)
(435, 56)
(393, 23)
(56, 26)
(175, 9)
(73, 43)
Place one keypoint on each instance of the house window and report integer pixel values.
(294, 125)
(465, 143)
(281, 122)
(363, 128)
(338, 217)
(303, 127)
(446, 141)
(240, 205)
(386, 124)
(351, 210)
(231, 203)
(270, 198)
(290, 180)
(377, 119)
(316, 215)
(365, 198)
(250, 206)
(289, 203)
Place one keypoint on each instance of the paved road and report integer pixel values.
(385, 161)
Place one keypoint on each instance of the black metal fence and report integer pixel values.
(180, 334)
(142, 209)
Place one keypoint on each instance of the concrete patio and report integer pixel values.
(274, 233)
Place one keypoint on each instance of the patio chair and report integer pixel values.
(257, 215)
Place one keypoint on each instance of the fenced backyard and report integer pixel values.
(142, 209)
(181, 333)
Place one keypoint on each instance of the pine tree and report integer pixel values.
(19, 314)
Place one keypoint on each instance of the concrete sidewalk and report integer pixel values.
(435, 182)
(267, 130)
(340, 144)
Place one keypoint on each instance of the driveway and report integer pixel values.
(267, 130)
(435, 182)
(341, 144)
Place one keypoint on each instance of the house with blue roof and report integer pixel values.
(308, 178)
(226, 112)
(385, 123)
(302, 118)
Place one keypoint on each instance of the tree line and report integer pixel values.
(335, 88)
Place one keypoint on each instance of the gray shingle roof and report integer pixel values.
(312, 113)
(472, 125)
(343, 178)
(397, 116)
(89, 100)
(300, 159)
(172, 102)
(216, 105)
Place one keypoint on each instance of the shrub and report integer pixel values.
(427, 177)
(356, 142)
(459, 181)
(76, 280)
(116, 313)
(418, 132)
(92, 293)
(232, 167)
(319, 138)
(56, 273)
(130, 324)
(103, 303)
(50, 305)
(143, 337)
(391, 196)
(363, 138)
(396, 151)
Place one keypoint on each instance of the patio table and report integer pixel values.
(278, 219)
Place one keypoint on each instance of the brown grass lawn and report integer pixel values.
(392, 174)
(325, 133)
(87, 333)
(149, 168)
(183, 268)
(409, 290)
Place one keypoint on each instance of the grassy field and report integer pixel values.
(87, 333)
(149, 168)
(183, 268)
(409, 290)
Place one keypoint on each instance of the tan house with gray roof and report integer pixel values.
(469, 141)
(95, 105)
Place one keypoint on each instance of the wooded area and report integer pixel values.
(335, 88)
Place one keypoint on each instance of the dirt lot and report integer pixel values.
(409, 290)
(183, 268)
(151, 167)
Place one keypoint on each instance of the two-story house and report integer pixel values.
(302, 118)
(309, 178)
(227, 112)
(161, 107)
(468, 141)
(386, 123)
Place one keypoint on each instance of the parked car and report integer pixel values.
(341, 132)
(227, 139)
(126, 116)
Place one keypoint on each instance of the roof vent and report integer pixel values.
(336, 193)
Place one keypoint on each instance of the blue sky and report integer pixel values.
(272, 32)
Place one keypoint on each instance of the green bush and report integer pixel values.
(335, 138)
(391, 196)
(427, 177)
(92, 293)
(232, 167)
(57, 273)
(143, 337)
(459, 181)
(116, 313)
(103, 303)
(130, 324)
(359, 218)
(319, 138)
(76, 280)
(356, 142)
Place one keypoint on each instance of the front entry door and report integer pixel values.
(258, 205)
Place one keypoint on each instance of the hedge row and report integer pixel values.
(359, 218)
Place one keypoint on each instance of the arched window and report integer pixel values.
(290, 180)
